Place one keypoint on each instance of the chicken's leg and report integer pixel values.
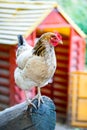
(29, 102)
(38, 97)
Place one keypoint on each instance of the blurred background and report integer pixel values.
(69, 85)
(76, 9)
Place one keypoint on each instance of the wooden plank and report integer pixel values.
(24, 6)
(13, 28)
(10, 11)
(8, 42)
(8, 36)
(10, 32)
(17, 20)
(59, 101)
(32, 11)
(82, 109)
(39, 3)
(22, 24)
(29, 2)
(5, 15)
(19, 16)
(4, 99)
(82, 84)
(62, 87)
(61, 109)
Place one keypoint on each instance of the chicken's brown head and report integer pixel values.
(53, 38)
(56, 39)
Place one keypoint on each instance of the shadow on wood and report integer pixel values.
(19, 117)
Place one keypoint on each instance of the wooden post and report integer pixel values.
(16, 118)
(22, 117)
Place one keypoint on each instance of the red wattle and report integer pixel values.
(54, 43)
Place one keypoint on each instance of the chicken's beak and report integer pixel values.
(60, 42)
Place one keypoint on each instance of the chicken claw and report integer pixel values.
(29, 102)
(38, 97)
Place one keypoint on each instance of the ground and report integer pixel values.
(65, 127)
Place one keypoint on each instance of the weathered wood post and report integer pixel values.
(15, 118)
(20, 117)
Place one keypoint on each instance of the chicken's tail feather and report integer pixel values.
(20, 40)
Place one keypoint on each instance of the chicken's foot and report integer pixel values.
(29, 102)
(39, 97)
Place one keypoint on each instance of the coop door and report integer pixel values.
(78, 99)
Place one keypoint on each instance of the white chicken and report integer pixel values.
(36, 65)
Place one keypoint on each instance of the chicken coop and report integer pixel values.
(31, 19)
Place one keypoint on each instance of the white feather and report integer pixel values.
(23, 53)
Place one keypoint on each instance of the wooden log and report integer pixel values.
(16, 118)
(22, 117)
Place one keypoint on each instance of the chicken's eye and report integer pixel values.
(53, 37)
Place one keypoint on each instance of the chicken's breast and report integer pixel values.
(37, 70)
(35, 73)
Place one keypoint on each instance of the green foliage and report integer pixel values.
(76, 9)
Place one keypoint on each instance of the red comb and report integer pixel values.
(58, 35)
